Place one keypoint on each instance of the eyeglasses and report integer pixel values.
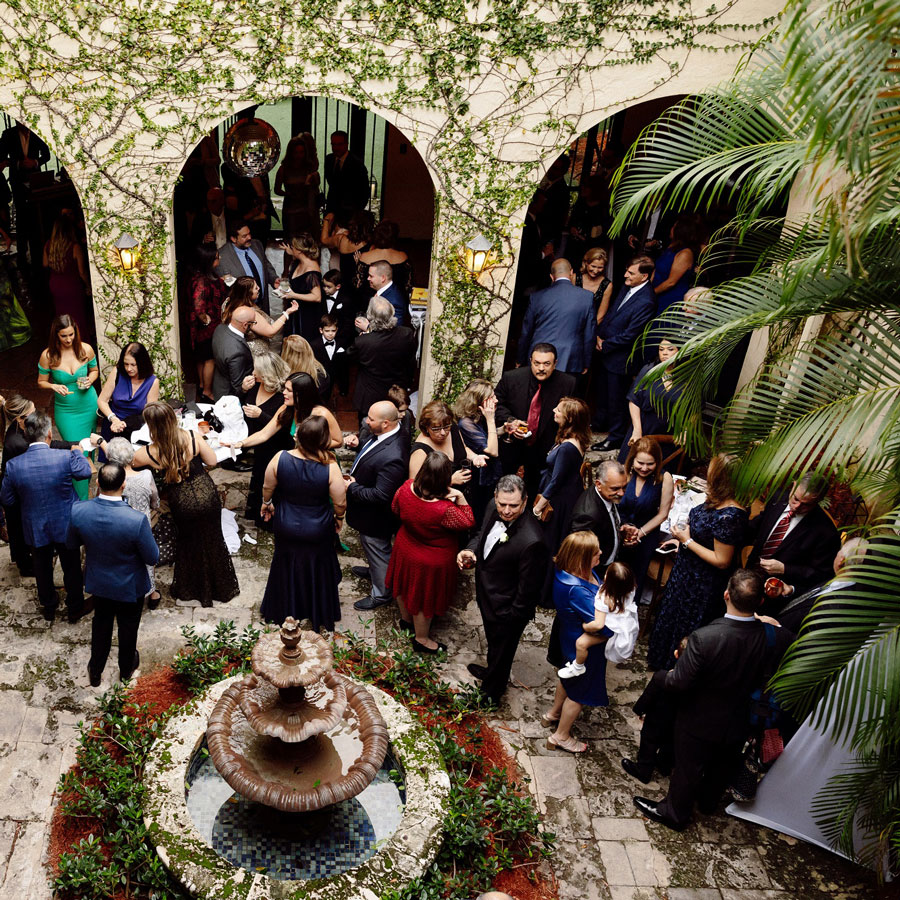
(438, 429)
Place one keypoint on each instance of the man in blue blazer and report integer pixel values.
(118, 548)
(40, 481)
(381, 280)
(562, 315)
(631, 310)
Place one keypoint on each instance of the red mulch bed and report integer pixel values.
(161, 688)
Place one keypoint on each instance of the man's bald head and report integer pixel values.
(243, 317)
(561, 268)
(383, 416)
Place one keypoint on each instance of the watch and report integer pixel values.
(110, 417)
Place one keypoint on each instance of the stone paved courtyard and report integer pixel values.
(605, 851)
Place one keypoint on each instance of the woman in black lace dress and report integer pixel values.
(203, 568)
(305, 287)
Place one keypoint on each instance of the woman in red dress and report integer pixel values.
(422, 571)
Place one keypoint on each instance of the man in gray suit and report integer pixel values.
(243, 255)
(562, 315)
(234, 361)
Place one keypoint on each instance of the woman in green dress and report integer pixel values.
(69, 369)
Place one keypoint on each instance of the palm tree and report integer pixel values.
(817, 105)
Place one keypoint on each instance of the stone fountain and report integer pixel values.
(295, 781)
(269, 734)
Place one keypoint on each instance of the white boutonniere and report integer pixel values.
(503, 538)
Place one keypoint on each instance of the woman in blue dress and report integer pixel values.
(127, 390)
(476, 412)
(575, 589)
(708, 548)
(561, 481)
(305, 492)
(647, 501)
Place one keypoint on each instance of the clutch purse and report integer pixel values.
(546, 512)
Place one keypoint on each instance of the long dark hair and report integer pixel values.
(204, 261)
(433, 478)
(54, 347)
(141, 357)
(306, 397)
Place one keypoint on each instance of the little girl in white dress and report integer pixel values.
(614, 608)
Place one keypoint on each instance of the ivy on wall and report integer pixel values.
(124, 91)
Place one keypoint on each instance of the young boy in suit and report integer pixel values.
(331, 352)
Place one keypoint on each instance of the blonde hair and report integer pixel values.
(592, 254)
(273, 371)
(171, 451)
(13, 408)
(475, 394)
(62, 240)
(306, 244)
(576, 553)
(298, 355)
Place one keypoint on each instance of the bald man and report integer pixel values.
(379, 469)
(562, 315)
(234, 361)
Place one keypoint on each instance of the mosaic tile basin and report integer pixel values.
(301, 845)
(393, 842)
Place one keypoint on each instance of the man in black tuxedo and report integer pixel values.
(381, 281)
(511, 559)
(234, 361)
(629, 312)
(380, 468)
(386, 353)
(723, 664)
(529, 396)
(794, 539)
(595, 510)
(347, 179)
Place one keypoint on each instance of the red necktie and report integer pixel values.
(534, 413)
(777, 536)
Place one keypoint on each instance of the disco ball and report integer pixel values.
(251, 147)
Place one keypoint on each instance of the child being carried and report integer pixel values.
(614, 608)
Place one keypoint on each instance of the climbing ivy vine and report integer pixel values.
(123, 91)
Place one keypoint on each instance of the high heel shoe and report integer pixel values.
(570, 744)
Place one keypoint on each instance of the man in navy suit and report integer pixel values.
(562, 315)
(381, 280)
(40, 481)
(380, 468)
(118, 548)
(631, 310)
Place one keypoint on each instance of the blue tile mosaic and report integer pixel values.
(292, 845)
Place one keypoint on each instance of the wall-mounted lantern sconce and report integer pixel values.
(127, 249)
(478, 255)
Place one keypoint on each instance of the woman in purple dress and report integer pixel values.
(127, 390)
(69, 281)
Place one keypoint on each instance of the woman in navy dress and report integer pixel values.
(305, 491)
(647, 501)
(707, 554)
(561, 482)
(575, 589)
(476, 409)
(127, 390)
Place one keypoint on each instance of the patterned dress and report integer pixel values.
(694, 591)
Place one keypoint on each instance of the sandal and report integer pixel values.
(573, 746)
(548, 722)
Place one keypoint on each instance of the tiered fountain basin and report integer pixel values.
(375, 827)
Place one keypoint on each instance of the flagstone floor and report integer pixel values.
(604, 851)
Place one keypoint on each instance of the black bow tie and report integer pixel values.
(329, 343)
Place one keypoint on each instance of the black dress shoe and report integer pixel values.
(361, 572)
(635, 771)
(369, 603)
(650, 810)
(421, 648)
(153, 602)
(603, 446)
(135, 664)
(94, 677)
(235, 465)
(479, 672)
(49, 613)
(86, 607)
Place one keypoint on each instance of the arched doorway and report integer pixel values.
(392, 184)
(43, 256)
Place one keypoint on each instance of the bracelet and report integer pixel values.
(643, 533)
(688, 541)
(110, 417)
(268, 502)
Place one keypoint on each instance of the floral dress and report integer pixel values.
(695, 589)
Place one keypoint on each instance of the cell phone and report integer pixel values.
(466, 464)
(671, 549)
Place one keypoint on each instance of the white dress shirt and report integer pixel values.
(497, 531)
(370, 444)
